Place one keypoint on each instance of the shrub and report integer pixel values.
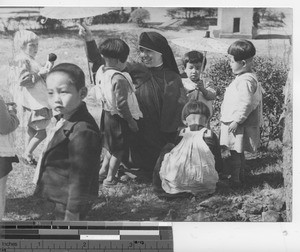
(272, 74)
(139, 16)
(111, 17)
(50, 24)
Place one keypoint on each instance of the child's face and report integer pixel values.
(193, 70)
(63, 96)
(150, 58)
(121, 65)
(31, 48)
(237, 67)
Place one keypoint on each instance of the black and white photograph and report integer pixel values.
(166, 114)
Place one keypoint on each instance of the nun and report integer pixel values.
(159, 91)
(160, 94)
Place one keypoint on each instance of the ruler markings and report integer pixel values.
(36, 236)
(139, 232)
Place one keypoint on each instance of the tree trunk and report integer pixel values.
(288, 146)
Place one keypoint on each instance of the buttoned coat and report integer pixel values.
(71, 162)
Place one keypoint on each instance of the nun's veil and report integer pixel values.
(158, 43)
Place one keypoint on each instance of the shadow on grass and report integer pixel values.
(136, 201)
(264, 170)
(30, 206)
(260, 163)
(274, 180)
(113, 211)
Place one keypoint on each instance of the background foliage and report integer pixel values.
(139, 16)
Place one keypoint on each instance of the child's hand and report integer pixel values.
(43, 71)
(48, 65)
(225, 153)
(233, 127)
(11, 107)
(200, 85)
(46, 68)
(85, 32)
(133, 125)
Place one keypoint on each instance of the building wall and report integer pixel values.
(225, 21)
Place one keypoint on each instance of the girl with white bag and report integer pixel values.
(192, 165)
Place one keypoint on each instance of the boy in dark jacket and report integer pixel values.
(68, 170)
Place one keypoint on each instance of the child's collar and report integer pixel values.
(105, 68)
(68, 116)
(246, 72)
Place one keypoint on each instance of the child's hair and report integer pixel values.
(241, 50)
(23, 37)
(114, 48)
(194, 107)
(193, 57)
(75, 73)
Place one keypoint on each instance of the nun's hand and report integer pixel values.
(85, 32)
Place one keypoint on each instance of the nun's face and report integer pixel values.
(150, 58)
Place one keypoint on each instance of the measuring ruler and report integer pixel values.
(82, 236)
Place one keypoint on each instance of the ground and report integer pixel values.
(261, 199)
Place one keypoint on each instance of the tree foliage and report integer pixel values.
(270, 15)
(49, 24)
(139, 16)
(112, 17)
(189, 13)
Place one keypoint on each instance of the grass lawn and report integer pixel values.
(135, 199)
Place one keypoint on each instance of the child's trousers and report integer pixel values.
(237, 167)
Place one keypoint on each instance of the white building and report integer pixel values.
(234, 23)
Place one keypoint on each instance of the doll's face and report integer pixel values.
(63, 96)
(31, 48)
(150, 58)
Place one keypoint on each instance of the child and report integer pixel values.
(8, 123)
(29, 91)
(194, 163)
(120, 107)
(241, 110)
(69, 167)
(196, 87)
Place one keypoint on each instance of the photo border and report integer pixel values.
(227, 236)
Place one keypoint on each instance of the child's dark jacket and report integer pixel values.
(70, 165)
